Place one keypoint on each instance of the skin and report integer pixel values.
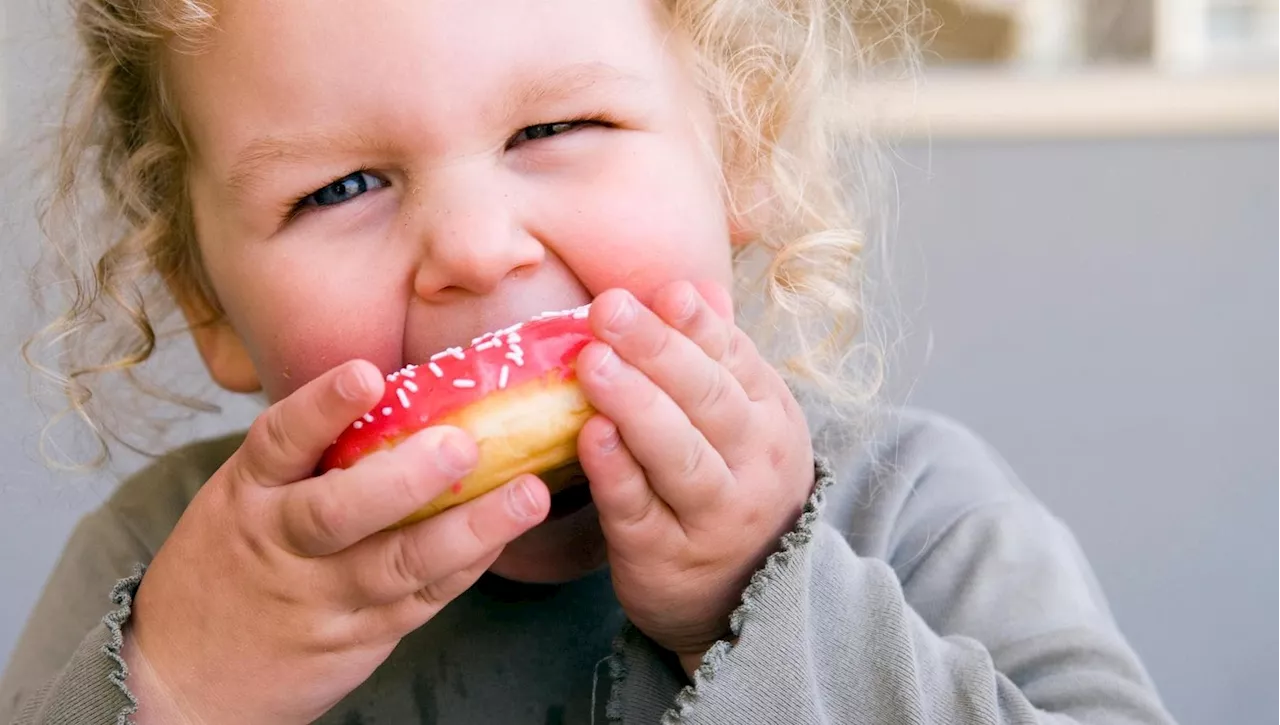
(473, 214)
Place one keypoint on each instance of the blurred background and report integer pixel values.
(1086, 257)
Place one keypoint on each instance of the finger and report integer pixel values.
(285, 442)
(718, 297)
(326, 514)
(681, 467)
(711, 398)
(683, 306)
(628, 507)
(391, 565)
(391, 622)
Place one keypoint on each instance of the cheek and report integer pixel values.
(643, 223)
(301, 315)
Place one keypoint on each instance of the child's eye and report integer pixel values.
(344, 189)
(546, 130)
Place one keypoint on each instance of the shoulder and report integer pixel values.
(150, 502)
(912, 478)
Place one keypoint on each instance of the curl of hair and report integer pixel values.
(807, 175)
(781, 75)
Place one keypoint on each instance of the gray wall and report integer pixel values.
(1105, 314)
(1102, 312)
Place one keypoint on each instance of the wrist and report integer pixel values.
(156, 704)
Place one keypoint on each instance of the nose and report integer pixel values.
(472, 236)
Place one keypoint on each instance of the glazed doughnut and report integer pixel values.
(513, 390)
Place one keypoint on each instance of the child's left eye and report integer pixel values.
(546, 130)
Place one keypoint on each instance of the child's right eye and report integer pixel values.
(344, 189)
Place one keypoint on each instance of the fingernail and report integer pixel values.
(523, 503)
(623, 315)
(353, 383)
(453, 456)
(688, 305)
(608, 365)
(609, 440)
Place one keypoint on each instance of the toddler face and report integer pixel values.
(382, 179)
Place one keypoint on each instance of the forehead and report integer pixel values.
(284, 65)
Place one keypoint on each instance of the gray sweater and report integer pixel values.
(923, 584)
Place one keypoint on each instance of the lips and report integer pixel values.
(514, 390)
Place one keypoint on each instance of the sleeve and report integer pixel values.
(1015, 635)
(66, 667)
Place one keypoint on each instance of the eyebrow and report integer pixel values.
(267, 150)
(571, 80)
(559, 84)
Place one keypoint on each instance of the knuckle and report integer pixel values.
(715, 392)
(401, 485)
(406, 567)
(659, 345)
(693, 460)
(325, 516)
(716, 338)
(273, 434)
(704, 328)
(739, 346)
(476, 534)
(640, 516)
(648, 395)
(432, 595)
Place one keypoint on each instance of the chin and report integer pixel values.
(565, 547)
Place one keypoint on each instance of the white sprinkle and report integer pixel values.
(404, 399)
(386, 411)
(358, 424)
(411, 386)
(513, 338)
(408, 373)
(491, 342)
(368, 418)
(435, 370)
(502, 377)
(509, 330)
(516, 357)
(477, 340)
(464, 383)
(580, 313)
(441, 354)
(391, 378)
(410, 367)
(456, 352)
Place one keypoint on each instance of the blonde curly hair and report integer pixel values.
(781, 76)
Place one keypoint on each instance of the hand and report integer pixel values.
(699, 460)
(278, 593)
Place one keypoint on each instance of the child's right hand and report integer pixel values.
(278, 593)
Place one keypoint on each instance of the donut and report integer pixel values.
(514, 390)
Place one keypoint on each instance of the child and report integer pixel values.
(329, 191)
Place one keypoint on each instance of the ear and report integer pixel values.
(221, 347)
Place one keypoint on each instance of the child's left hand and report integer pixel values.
(714, 462)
